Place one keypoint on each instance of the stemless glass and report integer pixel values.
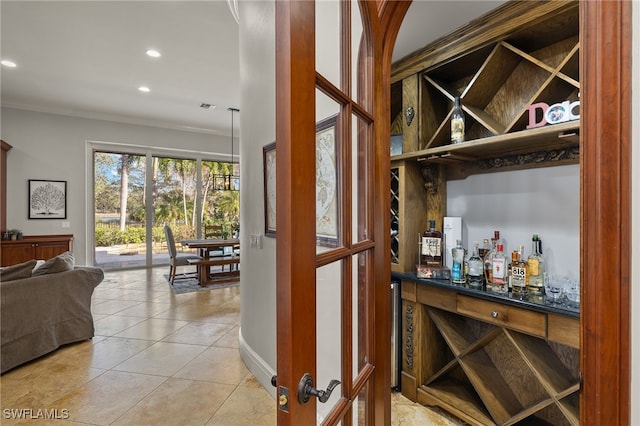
(573, 294)
(554, 289)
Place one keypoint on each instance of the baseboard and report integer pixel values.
(256, 365)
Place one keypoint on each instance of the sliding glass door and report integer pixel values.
(137, 194)
(119, 210)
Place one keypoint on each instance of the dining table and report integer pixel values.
(216, 252)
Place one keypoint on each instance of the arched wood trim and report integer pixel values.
(390, 15)
(605, 34)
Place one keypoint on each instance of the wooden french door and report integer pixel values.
(333, 267)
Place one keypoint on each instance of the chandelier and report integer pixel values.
(231, 180)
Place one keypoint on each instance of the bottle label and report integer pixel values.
(431, 246)
(475, 268)
(498, 270)
(456, 271)
(518, 276)
(457, 130)
(534, 267)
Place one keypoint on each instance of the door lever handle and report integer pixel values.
(306, 390)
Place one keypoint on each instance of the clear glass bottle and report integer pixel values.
(497, 282)
(457, 122)
(536, 267)
(457, 264)
(519, 276)
(514, 259)
(476, 269)
(487, 257)
(432, 246)
(484, 250)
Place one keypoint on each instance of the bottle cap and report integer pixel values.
(500, 247)
(496, 235)
(514, 255)
(432, 224)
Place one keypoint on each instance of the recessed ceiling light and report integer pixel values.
(144, 89)
(153, 53)
(8, 63)
(207, 106)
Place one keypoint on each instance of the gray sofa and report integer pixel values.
(41, 313)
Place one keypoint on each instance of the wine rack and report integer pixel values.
(498, 82)
(487, 362)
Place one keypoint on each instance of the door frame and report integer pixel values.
(605, 226)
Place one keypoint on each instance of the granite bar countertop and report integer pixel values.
(543, 306)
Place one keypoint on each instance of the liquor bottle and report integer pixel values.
(519, 276)
(492, 250)
(432, 246)
(484, 250)
(497, 282)
(476, 270)
(514, 259)
(457, 122)
(536, 267)
(457, 265)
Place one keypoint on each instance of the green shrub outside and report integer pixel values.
(111, 236)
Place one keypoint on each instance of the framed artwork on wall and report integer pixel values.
(47, 199)
(269, 169)
(327, 184)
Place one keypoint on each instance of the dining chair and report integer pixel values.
(213, 231)
(177, 259)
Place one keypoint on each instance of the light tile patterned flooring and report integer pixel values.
(157, 359)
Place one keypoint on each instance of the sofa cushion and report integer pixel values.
(60, 263)
(16, 272)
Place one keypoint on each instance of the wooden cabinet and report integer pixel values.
(35, 247)
(499, 67)
(4, 151)
(483, 359)
(487, 361)
(408, 196)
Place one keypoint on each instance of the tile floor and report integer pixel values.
(157, 359)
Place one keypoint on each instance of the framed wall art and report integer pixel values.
(47, 199)
(269, 169)
(327, 184)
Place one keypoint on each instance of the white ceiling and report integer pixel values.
(86, 58)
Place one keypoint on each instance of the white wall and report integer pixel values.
(257, 106)
(542, 201)
(50, 146)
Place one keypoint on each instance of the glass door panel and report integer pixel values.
(174, 193)
(361, 176)
(359, 314)
(329, 335)
(359, 410)
(328, 40)
(119, 213)
(220, 196)
(357, 74)
(328, 180)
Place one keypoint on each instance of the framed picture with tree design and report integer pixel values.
(47, 199)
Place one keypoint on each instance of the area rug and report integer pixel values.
(187, 284)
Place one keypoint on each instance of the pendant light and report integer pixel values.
(230, 181)
(234, 180)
